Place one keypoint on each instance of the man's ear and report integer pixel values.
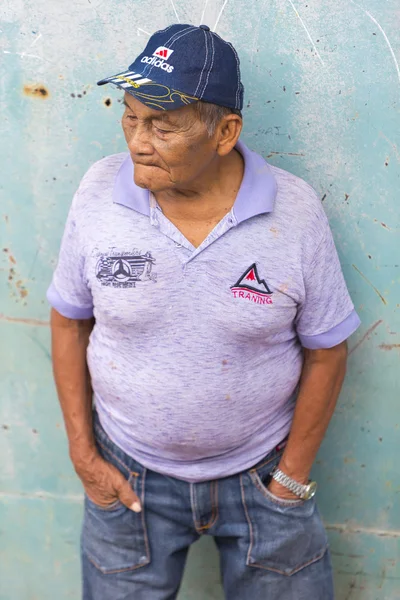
(228, 132)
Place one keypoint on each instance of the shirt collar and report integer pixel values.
(256, 195)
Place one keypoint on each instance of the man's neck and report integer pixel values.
(211, 197)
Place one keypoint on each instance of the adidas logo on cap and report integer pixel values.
(163, 52)
(157, 59)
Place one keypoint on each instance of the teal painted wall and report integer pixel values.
(322, 98)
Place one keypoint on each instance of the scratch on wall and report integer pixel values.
(34, 322)
(365, 336)
(307, 32)
(369, 283)
(384, 35)
(220, 15)
(345, 528)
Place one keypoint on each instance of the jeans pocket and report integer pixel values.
(114, 538)
(285, 535)
(112, 506)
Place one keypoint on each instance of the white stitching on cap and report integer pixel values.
(237, 98)
(211, 66)
(174, 39)
(147, 69)
(180, 36)
(238, 74)
(166, 29)
(205, 62)
(178, 32)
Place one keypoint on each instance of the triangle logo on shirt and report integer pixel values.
(250, 287)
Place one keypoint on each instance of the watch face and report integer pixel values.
(311, 491)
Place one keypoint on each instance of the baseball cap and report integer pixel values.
(183, 64)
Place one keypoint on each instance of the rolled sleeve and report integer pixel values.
(326, 315)
(334, 336)
(69, 292)
(64, 308)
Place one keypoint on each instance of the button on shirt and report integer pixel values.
(196, 353)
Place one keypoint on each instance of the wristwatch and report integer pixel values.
(305, 492)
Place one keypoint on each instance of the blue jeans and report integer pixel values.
(270, 549)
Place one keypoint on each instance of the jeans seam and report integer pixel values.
(132, 473)
(116, 570)
(146, 539)
(266, 462)
(214, 508)
(193, 504)
(293, 571)
(248, 559)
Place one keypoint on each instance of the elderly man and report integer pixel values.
(199, 328)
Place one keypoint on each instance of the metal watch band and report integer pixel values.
(289, 483)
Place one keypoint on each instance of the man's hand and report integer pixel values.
(104, 484)
(321, 381)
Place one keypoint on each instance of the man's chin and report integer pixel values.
(152, 184)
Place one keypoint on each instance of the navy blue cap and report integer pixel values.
(183, 64)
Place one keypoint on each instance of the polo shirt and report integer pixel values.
(196, 353)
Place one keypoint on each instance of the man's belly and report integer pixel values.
(184, 409)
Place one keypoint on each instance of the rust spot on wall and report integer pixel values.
(107, 101)
(384, 225)
(389, 346)
(36, 90)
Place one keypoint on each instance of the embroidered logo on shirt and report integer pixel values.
(251, 287)
(124, 269)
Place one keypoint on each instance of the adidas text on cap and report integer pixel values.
(181, 65)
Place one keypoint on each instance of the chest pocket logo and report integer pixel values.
(250, 287)
(124, 269)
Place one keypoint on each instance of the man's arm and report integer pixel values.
(321, 381)
(103, 483)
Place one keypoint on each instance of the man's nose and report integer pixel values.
(140, 141)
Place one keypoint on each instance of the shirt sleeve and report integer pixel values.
(69, 293)
(326, 315)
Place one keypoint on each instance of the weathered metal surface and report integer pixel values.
(323, 86)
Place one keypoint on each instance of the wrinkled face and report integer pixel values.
(170, 149)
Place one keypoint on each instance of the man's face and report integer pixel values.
(170, 149)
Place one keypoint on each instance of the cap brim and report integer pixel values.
(152, 94)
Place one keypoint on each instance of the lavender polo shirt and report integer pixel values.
(196, 353)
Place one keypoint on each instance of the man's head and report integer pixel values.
(183, 97)
(174, 149)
